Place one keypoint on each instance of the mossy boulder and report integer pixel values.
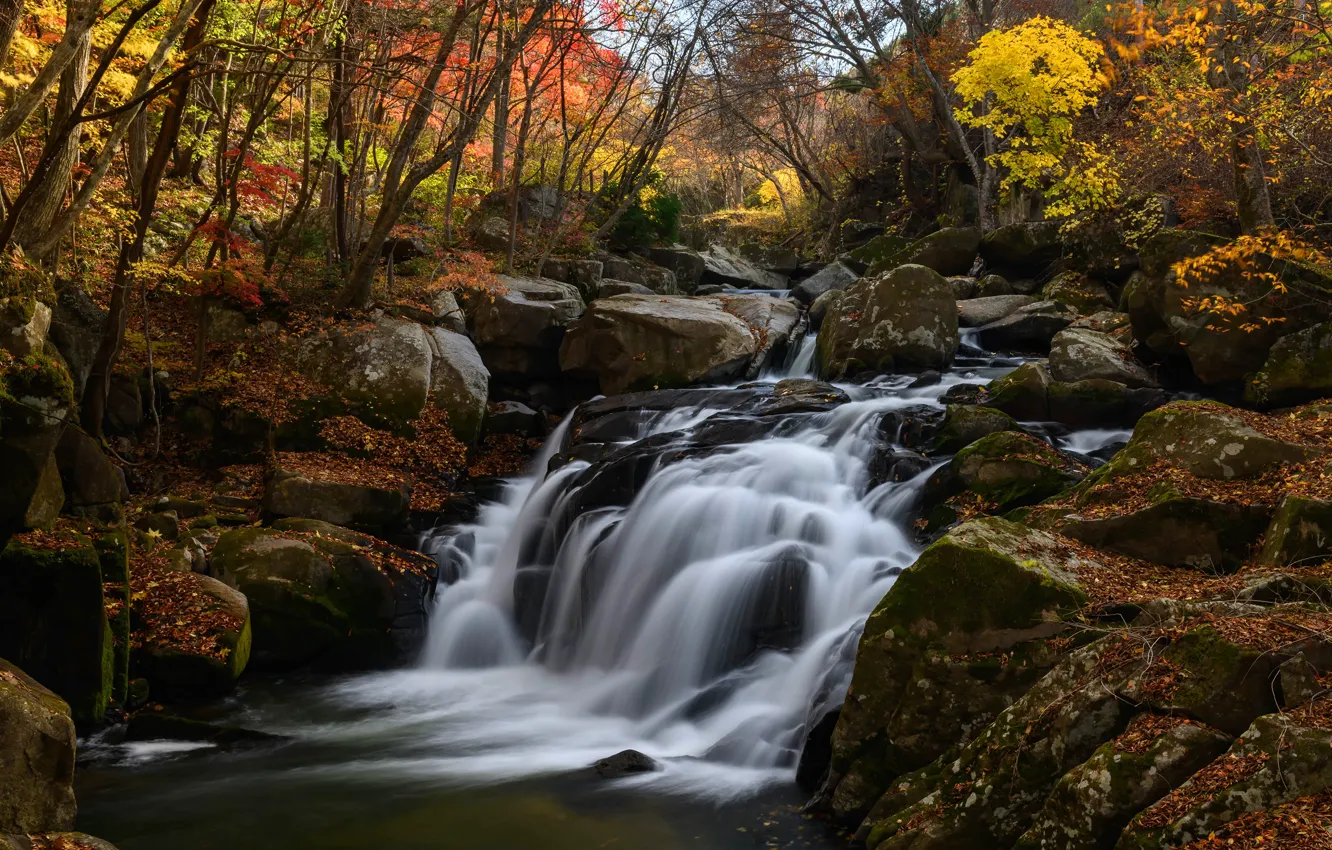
(1298, 369)
(978, 312)
(988, 793)
(53, 623)
(47, 497)
(459, 382)
(1011, 469)
(24, 323)
(205, 659)
(1177, 531)
(1094, 801)
(949, 251)
(637, 342)
(964, 424)
(1279, 759)
(1101, 403)
(36, 756)
(994, 285)
(903, 320)
(1208, 440)
(876, 251)
(1027, 247)
(304, 493)
(1022, 392)
(1029, 328)
(326, 596)
(1079, 292)
(113, 555)
(379, 372)
(1079, 354)
(36, 400)
(1300, 532)
(958, 637)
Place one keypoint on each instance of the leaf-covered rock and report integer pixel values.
(902, 320)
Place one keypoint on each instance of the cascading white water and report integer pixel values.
(647, 634)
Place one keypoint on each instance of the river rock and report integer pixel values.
(305, 494)
(1177, 531)
(624, 763)
(1278, 760)
(876, 251)
(610, 288)
(687, 264)
(36, 399)
(53, 622)
(832, 277)
(24, 323)
(772, 320)
(459, 382)
(950, 251)
(1099, 403)
(977, 312)
(1298, 369)
(381, 372)
(76, 331)
(1028, 247)
(1022, 392)
(444, 307)
(519, 331)
(988, 586)
(212, 658)
(327, 596)
(964, 424)
(723, 267)
(36, 756)
(1208, 440)
(1028, 328)
(902, 320)
(1078, 292)
(1300, 532)
(1094, 801)
(1078, 354)
(963, 287)
(639, 342)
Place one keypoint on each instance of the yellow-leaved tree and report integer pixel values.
(1025, 86)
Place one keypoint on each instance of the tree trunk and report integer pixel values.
(93, 406)
(1251, 195)
(48, 197)
(10, 13)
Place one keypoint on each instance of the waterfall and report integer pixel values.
(709, 619)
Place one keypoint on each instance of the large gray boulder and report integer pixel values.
(380, 372)
(1028, 247)
(24, 323)
(633, 342)
(1028, 328)
(773, 320)
(519, 330)
(978, 312)
(305, 493)
(724, 267)
(950, 251)
(36, 756)
(901, 320)
(459, 382)
(832, 277)
(1298, 369)
(323, 595)
(1079, 354)
(76, 331)
(687, 264)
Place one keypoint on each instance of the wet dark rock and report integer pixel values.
(155, 726)
(624, 763)
(512, 417)
(816, 755)
(1028, 328)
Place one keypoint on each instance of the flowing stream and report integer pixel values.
(695, 594)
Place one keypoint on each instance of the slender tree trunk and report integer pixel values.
(48, 197)
(11, 11)
(93, 406)
(1251, 195)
